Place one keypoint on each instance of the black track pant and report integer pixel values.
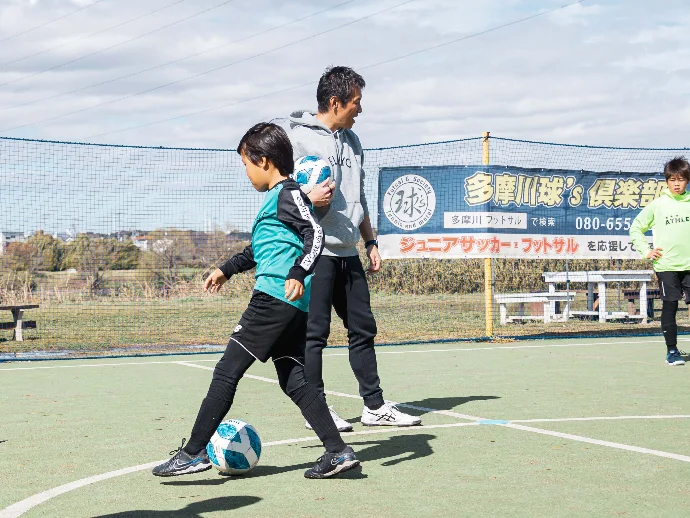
(268, 328)
(340, 283)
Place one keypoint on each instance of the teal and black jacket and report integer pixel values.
(286, 243)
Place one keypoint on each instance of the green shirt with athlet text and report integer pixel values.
(669, 218)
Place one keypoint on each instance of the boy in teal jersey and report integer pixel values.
(286, 243)
(669, 217)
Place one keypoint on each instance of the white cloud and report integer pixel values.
(572, 75)
(668, 62)
(577, 14)
(663, 33)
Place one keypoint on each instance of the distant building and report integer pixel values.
(65, 237)
(11, 237)
(120, 235)
(141, 242)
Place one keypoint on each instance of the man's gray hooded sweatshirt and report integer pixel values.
(341, 148)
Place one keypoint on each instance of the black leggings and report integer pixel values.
(669, 308)
(228, 372)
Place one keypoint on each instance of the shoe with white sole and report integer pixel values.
(340, 423)
(388, 415)
(675, 358)
(182, 463)
(330, 464)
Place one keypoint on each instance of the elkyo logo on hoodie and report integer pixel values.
(409, 202)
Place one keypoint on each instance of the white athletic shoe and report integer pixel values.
(388, 415)
(340, 423)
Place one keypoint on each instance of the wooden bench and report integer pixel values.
(652, 294)
(19, 323)
(545, 298)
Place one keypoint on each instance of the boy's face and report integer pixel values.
(677, 184)
(258, 173)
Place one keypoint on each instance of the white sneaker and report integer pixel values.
(388, 415)
(340, 423)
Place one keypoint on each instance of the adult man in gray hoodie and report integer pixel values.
(339, 279)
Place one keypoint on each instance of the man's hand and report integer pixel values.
(214, 281)
(655, 254)
(374, 259)
(322, 193)
(293, 290)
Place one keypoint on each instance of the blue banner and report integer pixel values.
(493, 211)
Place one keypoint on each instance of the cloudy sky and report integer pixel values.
(199, 72)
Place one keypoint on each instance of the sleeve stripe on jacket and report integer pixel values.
(317, 244)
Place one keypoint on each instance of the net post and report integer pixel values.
(488, 274)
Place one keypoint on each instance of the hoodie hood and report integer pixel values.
(307, 118)
(685, 197)
(343, 151)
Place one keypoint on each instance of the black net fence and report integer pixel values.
(105, 248)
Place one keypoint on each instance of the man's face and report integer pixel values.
(677, 184)
(346, 113)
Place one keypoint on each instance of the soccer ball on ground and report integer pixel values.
(235, 447)
(311, 171)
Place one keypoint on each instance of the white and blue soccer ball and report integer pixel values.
(235, 447)
(311, 171)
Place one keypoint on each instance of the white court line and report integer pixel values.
(507, 347)
(21, 507)
(511, 424)
(378, 351)
(619, 446)
(442, 412)
(612, 418)
(90, 365)
(352, 396)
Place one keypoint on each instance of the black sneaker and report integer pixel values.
(182, 463)
(674, 358)
(330, 464)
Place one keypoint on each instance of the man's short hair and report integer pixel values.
(338, 82)
(679, 166)
(268, 140)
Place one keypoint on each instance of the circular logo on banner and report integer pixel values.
(409, 202)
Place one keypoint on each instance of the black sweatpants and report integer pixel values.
(268, 328)
(340, 283)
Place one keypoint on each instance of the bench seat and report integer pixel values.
(546, 298)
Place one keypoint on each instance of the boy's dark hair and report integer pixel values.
(268, 140)
(679, 166)
(338, 82)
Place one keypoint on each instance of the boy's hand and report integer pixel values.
(374, 259)
(293, 290)
(214, 281)
(655, 254)
(322, 193)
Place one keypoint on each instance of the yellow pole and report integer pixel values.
(488, 274)
(486, 160)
